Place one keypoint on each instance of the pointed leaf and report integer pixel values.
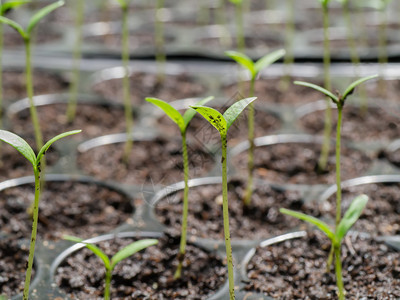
(19, 144)
(352, 86)
(11, 4)
(14, 25)
(235, 110)
(314, 221)
(190, 113)
(351, 216)
(169, 110)
(131, 249)
(96, 250)
(213, 116)
(50, 142)
(243, 60)
(41, 14)
(268, 59)
(320, 89)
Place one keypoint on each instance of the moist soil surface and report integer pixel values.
(147, 274)
(297, 163)
(143, 85)
(375, 123)
(73, 208)
(295, 269)
(259, 220)
(150, 162)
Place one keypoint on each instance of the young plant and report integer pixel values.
(23, 147)
(27, 37)
(182, 122)
(240, 40)
(222, 124)
(254, 68)
(110, 264)
(342, 225)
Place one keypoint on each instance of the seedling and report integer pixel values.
(110, 264)
(342, 225)
(254, 68)
(23, 147)
(27, 37)
(159, 41)
(289, 37)
(182, 122)
(222, 124)
(241, 44)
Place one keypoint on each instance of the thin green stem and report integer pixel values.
(73, 91)
(241, 45)
(33, 235)
(382, 56)
(338, 270)
(182, 248)
(288, 60)
(107, 286)
(1, 76)
(159, 41)
(225, 212)
(338, 175)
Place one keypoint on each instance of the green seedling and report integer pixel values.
(289, 37)
(110, 264)
(183, 123)
(159, 41)
(241, 44)
(222, 123)
(342, 225)
(77, 55)
(26, 34)
(254, 68)
(23, 147)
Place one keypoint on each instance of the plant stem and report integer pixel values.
(225, 210)
(289, 36)
(126, 92)
(159, 41)
(323, 159)
(338, 177)
(1, 77)
(225, 38)
(73, 91)
(107, 286)
(250, 155)
(382, 56)
(338, 270)
(241, 45)
(182, 248)
(33, 235)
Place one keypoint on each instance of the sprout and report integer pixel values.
(222, 124)
(23, 147)
(110, 264)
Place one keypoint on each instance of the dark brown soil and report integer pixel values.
(382, 213)
(296, 269)
(393, 157)
(373, 124)
(297, 163)
(273, 91)
(144, 85)
(260, 220)
(13, 260)
(146, 275)
(150, 162)
(14, 83)
(68, 207)
(12, 163)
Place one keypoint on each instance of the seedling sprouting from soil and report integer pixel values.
(27, 37)
(342, 225)
(254, 68)
(222, 124)
(110, 264)
(23, 147)
(182, 122)
(240, 40)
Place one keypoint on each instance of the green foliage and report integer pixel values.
(5, 7)
(236, 2)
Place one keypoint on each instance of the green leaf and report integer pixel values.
(14, 25)
(324, 2)
(131, 249)
(190, 113)
(50, 142)
(352, 86)
(96, 250)
(19, 144)
(268, 59)
(351, 216)
(235, 110)
(41, 14)
(243, 60)
(169, 110)
(236, 1)
(11, 4)
(314, 221)
(318, 88)
(123, 4)
(213, 116)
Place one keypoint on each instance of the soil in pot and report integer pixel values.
(145, 275)
(12, 163)
(260, 220)
(295, 269)
(297, 163)
(69, 207)
(144, 85)
(150, 162)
